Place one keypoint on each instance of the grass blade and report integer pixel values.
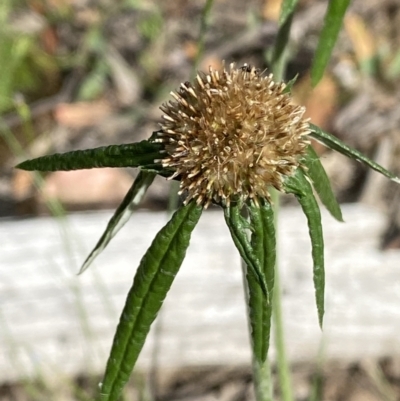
(151, 284)
(336, 144)
(279, 54)
(301, 188)
(327, 39)
(289, 84)
(263, 241)
(237, 229)
(316, 172)
(287, 8)
(121, 215)
(129, 155)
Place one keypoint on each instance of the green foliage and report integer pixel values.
(160, 264)
(22, 67)
(121, 215)
(301, 188)
(151, 26)
(315, 171)
(25, 66)
(263, 241)
(289, 84)
(236, 226)
(333, 22)
(336, 144)
(140, 154)
(280, 50)
(95, 81)
(152, 281)
(287, 9)
(251, 226)
(393, 69)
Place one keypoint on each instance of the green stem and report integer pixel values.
(280, 53)
(262, 377)
(173, 197)
(278, 66)
(282, 361)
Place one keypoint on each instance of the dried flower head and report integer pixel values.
(230, 135)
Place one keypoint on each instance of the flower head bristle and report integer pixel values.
(230, 135)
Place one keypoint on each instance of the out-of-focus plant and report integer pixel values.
(26, 67)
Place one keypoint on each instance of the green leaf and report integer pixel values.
(327, 39)
(237, 229)
(316, 172)
(336, 144)
(121, 215)
(128, 155)
(263, 241)
(279, 54)
(301, 188)
(287, 8)
(95, 81)
(280, 50)
(151, 284)
(289, 84)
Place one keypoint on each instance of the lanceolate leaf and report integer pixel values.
(327, 39)
(336, 144)
(287, 8)
(238, 232)
(263, 241)
(301, 188)
(289, 84)
(129, 155)
(280, 47)
(121, 215)
(152, 281)
(316, 172)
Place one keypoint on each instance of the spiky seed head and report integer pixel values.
(231, 134)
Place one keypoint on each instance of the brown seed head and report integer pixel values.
(230, 135)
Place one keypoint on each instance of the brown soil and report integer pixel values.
(364, 381)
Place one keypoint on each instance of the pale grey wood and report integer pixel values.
(53, 322)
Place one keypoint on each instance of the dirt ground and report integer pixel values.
(101, 69)
(331, 381)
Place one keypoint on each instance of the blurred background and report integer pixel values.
(77, 74)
